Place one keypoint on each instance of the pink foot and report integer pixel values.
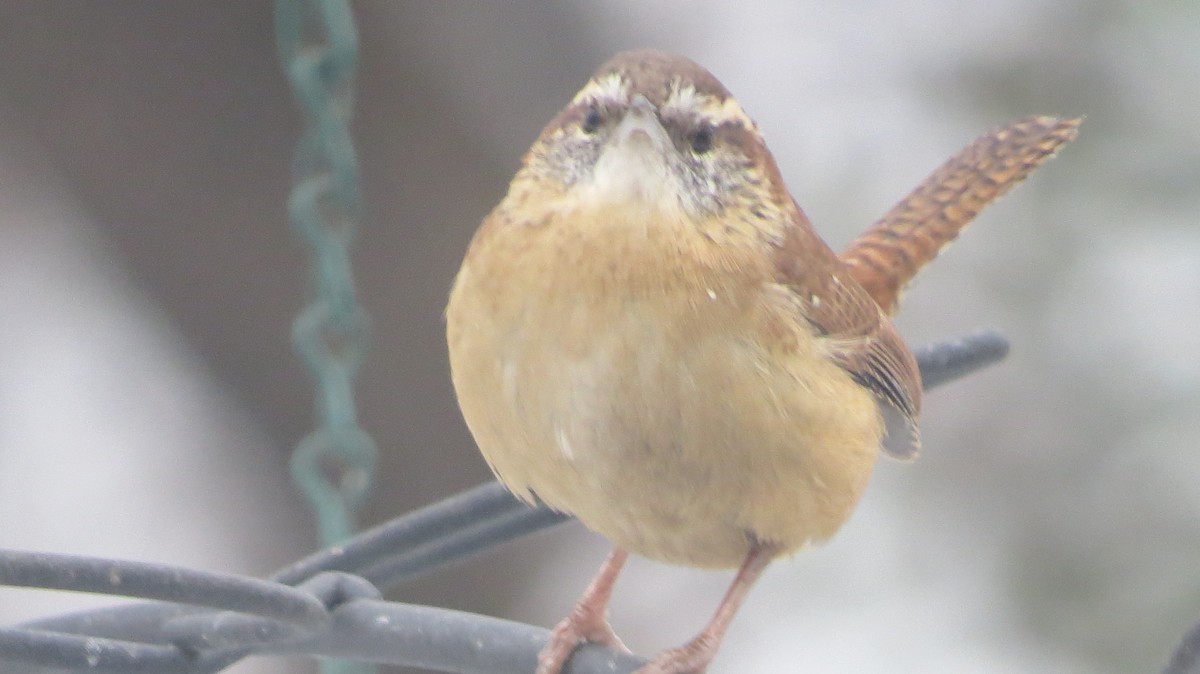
(694, 656)
(588, 621)
(569, 635)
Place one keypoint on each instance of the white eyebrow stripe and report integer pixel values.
(685, 99)
(609, 89)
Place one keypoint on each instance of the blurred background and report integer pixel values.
(149, 397)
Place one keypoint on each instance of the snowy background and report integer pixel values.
(149, 397)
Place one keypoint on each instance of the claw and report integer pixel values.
(588, 621)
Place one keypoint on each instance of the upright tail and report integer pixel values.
(886, 257)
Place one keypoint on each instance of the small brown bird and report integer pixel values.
(648, 334)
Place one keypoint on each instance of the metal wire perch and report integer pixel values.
(328, 604)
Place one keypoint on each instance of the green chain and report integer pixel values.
(334, 465)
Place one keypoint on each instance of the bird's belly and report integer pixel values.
(664, 422)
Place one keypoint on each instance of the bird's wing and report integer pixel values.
(859, 336)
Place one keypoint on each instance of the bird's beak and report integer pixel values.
(635, 166)
(640, 126)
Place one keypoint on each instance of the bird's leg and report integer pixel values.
(694, 656)
(588, 621)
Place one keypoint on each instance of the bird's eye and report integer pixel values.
(702, 139)
(591, 122)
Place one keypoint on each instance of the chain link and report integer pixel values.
(334, 465)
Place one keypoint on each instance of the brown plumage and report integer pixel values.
(886, 257)
(647, 333)
(863, 341)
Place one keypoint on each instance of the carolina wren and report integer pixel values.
(648, 334)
